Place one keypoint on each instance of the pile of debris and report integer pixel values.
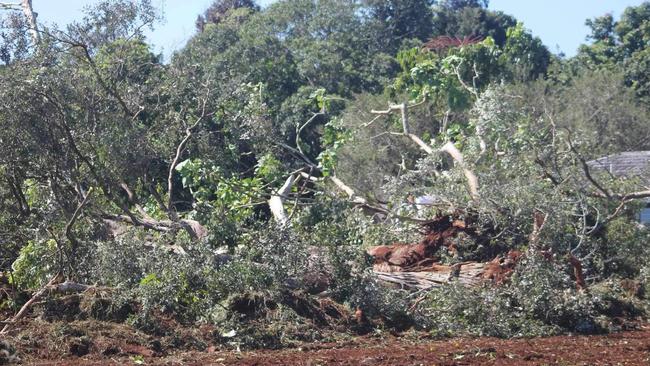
(419, 265)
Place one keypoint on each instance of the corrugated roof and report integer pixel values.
(625, 164)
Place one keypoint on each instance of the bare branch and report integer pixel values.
(301, 128)
(472, 181)
(449, 148)
(587, 171)
(302, 156)
(403, 108)
(179, 152)
(75, 216)
(276, 202)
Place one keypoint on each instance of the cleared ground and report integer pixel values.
(625, 348)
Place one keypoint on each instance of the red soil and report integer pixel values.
(626, 348)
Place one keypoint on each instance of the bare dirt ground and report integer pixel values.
(625, 348)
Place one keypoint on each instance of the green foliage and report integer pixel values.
(454, 309)
(471, 19)
(624, 248)
(525, 57)
(35, 264)
(334, 137)
(539, 301)
(393, 22)
(208, 185)
(454, 74)
(546, 292)
(622, 44)
(220, 10)
(644, 280)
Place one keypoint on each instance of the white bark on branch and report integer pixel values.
(348, 190)
(449, 148)
(472, 181)
(276, 202)
(28, 10)
(179, 152)
(30, 15)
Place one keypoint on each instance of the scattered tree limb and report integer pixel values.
(162, 226)
(472, 181)
(70, 287)
(54, 285)
(449, 148)
(23, 310)
(276, 202)
(349, 191)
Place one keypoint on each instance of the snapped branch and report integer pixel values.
(449, 148)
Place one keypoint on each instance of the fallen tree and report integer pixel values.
(419, 265)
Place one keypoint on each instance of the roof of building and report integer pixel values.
(625, 164)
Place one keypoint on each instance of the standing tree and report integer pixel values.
(395, 21)
(219, 10)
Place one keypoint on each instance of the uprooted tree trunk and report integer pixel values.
(417, 266)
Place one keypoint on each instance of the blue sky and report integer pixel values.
(559, 23)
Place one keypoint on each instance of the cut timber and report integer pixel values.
(418, 265)
(468, 274)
